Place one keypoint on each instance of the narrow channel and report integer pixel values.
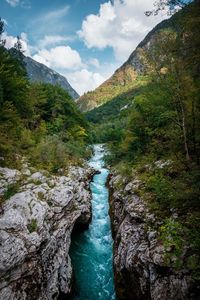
(91, 250)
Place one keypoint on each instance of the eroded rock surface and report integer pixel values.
(35, 231)
(141, 271)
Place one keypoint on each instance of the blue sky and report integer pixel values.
(85, 40)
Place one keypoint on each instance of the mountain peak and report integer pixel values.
(38, 72)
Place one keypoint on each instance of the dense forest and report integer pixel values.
(37, 120)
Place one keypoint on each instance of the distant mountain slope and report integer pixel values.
(126, 77)
(122, 80)
(39, 72)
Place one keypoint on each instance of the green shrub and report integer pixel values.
(12, 189)
(27, 139)
(51, 153)
(172, 233)
(32, 226)
(161, 188)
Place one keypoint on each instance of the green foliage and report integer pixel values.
(11, 190)
(110, 119)
(38, 120)
(162, 123)
(123, 80)
(177, 237)
(32, 226)
(13, 82)
(172, 233)
(110, 131)
(41, 196)
(114, 107)
(27, 139)
(49, 151)
(161, 188)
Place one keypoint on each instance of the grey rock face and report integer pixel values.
(35, 232)
(141, 271)
(38, 72)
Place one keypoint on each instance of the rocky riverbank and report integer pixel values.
(141, 271)
(35, 230)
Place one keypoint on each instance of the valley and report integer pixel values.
(99, 194)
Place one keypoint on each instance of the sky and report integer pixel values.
(84, 40)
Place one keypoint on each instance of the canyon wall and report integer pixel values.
(141, 270)
(35, 230)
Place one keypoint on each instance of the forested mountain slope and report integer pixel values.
(38, 120)
(128, 76)
(153, 135)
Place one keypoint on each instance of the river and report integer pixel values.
(91, 250)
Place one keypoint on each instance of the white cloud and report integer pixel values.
(42, 60)
(120, 25)
(11, 40)
(51, 16)
(53, 40)
(55, 14)
(22, 3)
(49, 23)
(84, 80)
(13, 3)
(62, 57)
(94, 62)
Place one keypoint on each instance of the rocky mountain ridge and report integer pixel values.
(38, 72)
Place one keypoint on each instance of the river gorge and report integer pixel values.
(91, 250)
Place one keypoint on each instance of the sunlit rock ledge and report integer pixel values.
(35, 230)
(140, 267)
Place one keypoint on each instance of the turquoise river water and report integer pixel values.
(91, 250)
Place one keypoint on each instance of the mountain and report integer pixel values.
(128, 76)
(39, 72)
(152, 131)
(123, 79)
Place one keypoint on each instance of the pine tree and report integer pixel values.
(18, 45)
(2, 42)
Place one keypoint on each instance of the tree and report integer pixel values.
(2, 42)
(14, 81)
(18, 45)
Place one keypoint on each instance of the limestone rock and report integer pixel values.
(141, 271)
(35, 231)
